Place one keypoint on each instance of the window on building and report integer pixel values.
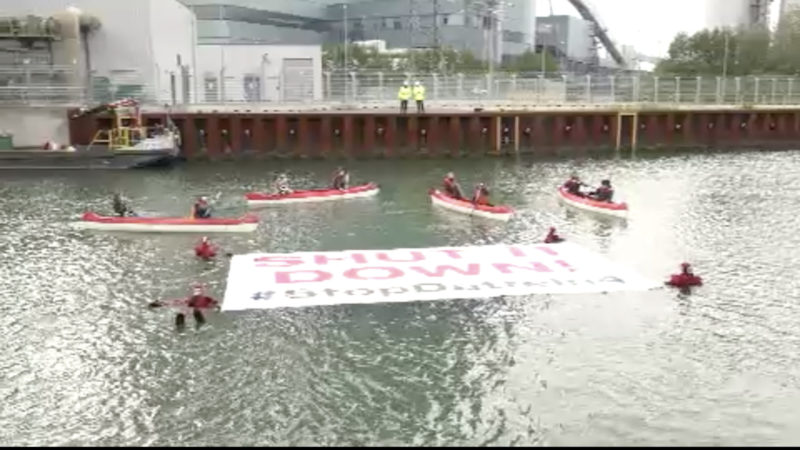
(398, 25)
(445, 19)
(487, 22)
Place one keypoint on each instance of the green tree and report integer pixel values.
(532, 62)
(444, 60)
(748, 52)
(785, 52)
(358, 58)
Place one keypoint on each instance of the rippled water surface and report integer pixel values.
(85, 362)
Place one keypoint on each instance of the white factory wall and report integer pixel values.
(235, 63)
(172, 28)
(579, 39)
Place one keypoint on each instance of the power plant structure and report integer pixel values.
(737, 13)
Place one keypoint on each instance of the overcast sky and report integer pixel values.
(648, 25)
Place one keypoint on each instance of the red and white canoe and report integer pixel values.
(92, 221)
(438, 198)
(312, 195)
(587, 204)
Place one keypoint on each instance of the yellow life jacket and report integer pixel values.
(419, 93)
(404, 93)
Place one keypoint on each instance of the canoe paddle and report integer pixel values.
(159, 304)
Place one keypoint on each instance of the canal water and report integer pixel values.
(85, 362)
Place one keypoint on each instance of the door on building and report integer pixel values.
(211, 89)
(298, 79)
(252, 88)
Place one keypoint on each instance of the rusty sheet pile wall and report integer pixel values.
(371, 135)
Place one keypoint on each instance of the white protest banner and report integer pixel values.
(269, 280)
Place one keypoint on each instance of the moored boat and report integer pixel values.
(128, 144)
(440, 199)
(92, 221)
(587, 204)
(312, 195)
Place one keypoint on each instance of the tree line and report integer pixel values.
(445, 61)
(737, 52)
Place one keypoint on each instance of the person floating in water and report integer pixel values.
(552, 237)
(685, 279)
(201, 209)
(605, 193)
(341, 179)
(205, 250)
(451, 186)
(481, 195)
(120, 206)
(197, 302)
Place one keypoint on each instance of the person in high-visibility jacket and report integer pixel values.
(404, 94)
(419, 96)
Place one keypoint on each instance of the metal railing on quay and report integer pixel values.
(61, 86)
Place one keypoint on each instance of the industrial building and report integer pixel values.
(490, 28)
(100, 50)
(259, 73)
(736, 13)
(567, 38)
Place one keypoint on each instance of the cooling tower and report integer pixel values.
(736, 13)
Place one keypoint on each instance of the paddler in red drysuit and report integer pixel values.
(201, 209)
(282, 185)
(205, 250)
(685, 279)
(451, 187)
(573, 185)
(341, 179)
(552, 237)
(481, 195)
(605, 193)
